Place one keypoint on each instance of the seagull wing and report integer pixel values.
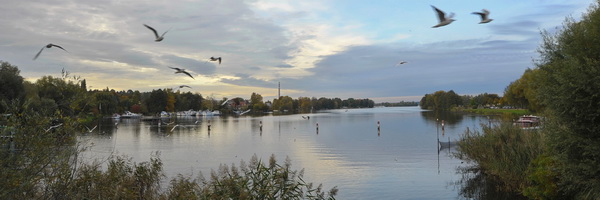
(59, 47)
(175, 68)
(154, 31)
(187, 74)
(482, 15)
(440, 13)
(219, 60)
(164, 33)
(38, 54)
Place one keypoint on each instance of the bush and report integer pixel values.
(504, 152)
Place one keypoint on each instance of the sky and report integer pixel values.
(313, 48)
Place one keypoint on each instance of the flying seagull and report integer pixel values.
(442, 17)
(53, 127)
(182, 71)
(401, 63)
(216, 59)
(182, 86)
(90, 130)
(484, 16)
(48, 46)
(158, 38)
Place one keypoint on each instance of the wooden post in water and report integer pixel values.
(378, 128)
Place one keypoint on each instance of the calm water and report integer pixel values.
(401, 161)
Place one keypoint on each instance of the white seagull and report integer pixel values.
(442, 17)
(182, 71)
(53, 127)
(158, 38)
(48, 46)
(484, 16)
(90, 130)
(176, 125)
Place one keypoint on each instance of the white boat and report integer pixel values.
(164, 114)
(528, 122)
(128, 114)
(209, 113)
(186, 113)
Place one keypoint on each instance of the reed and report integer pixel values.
(502, 151)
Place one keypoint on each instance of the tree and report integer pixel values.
(157, 101)
(256, 102)
(569, 88)
(11, 83)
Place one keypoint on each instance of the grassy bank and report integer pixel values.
(503, 151)
(486, 111)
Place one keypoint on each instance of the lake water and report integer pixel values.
(400, 161)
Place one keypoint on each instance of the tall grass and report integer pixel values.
(504, 152)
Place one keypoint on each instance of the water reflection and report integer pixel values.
(450, 118)
(380, 153)
(474, 184)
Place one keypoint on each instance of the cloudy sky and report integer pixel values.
(315, 48)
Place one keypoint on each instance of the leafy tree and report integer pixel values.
(157, 101)
(305, 104)
(569, 88)
(106, 102)
(11, 83)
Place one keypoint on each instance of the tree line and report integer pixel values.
(442, 100)
(69, 95)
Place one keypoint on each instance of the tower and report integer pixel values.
(278, 90)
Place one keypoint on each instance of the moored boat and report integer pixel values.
(128, 114)
(528, 122)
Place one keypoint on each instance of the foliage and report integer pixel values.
(38, 153)
(398, 104)
(570, 71)
(522, 93)
(253, 181)
(503, 151)
(512, 112)
(11, 83)
(543, 176)
(441, 100)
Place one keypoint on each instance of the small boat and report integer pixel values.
(128, 114)
(528, 122)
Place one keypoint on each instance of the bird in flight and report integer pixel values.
(90, 130)
(442, 17)
(48, 46)
(216, 59)
(401, 63)
(182, 71)
(158, 38)
(484, 16)
(182, 86)
(53, 127)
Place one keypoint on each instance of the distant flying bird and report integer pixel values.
(182, 71)
(401, 63)
(158, 38)
(53, 127)
(442, 17)
(48, 46)
(216, 59)
(176, 125)
(484, 16)
(90, 130)
(182, 86)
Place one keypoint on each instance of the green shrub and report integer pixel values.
(503, 151)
